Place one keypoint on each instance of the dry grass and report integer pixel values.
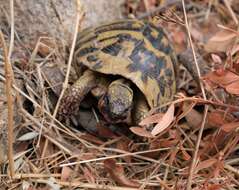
(198, 150)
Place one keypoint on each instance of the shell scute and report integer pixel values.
(135, 50)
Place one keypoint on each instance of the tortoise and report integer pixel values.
(117, 56)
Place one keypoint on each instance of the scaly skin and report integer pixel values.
(75, 94)
(117, 103)
(118, 97)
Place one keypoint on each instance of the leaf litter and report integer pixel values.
(160, 150)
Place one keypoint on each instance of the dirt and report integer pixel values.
(55, 18)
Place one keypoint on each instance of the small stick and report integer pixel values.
(9, 79)
(79, 19)
(92, 186)
(234, 17)
(195, 155)
(12, 29)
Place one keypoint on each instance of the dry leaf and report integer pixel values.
(233, 88)
(165, 121)
(104, 131)
(165, 143)
(66, 173)
(229, 127)
(186, 156)
(194, 118)
(173, 154)
(215, 119)
(123, 144)
(45, 47)
(216, 58)
(117, 173)
(141, 132)
(214, 187)
(196, 34)
(221, 41)
(88, 175)
(28, 136)
(151, 119)
(205, 164)
(223, 77)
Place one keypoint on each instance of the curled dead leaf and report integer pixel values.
(221, 41)
(117, 173)
(216, 58)
(151, 119)
(165, 121)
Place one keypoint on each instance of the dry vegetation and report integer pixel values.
(194, 145)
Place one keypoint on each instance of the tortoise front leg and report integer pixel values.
(141, 108)
(75, 94)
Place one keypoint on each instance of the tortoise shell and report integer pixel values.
(136, 50)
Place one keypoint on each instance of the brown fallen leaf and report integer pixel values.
(229, 127)
(117, 173)
(205, 164)
(221, 41)
(215, 119)
(215, 187)
(104, 131)
(216, 58)
(123, 144)
(222, 77)
(151, 119)
(165, 121)
(193, 117)
(141, 132)
(233, 88)
(165, 143)
(66, 173)
(185, 155)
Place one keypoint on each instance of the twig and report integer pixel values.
(194, 159)
(9, 79)
(232, 169)
(208, 9)
(79, 19)
(231, 11)
(123, 154)
(12, 30)
(93, 186)
(193, 51)
(35, 175)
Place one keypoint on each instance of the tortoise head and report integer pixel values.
(117, 103)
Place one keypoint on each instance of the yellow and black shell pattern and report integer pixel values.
(136, 50)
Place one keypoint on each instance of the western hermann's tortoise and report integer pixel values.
(117, 56)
